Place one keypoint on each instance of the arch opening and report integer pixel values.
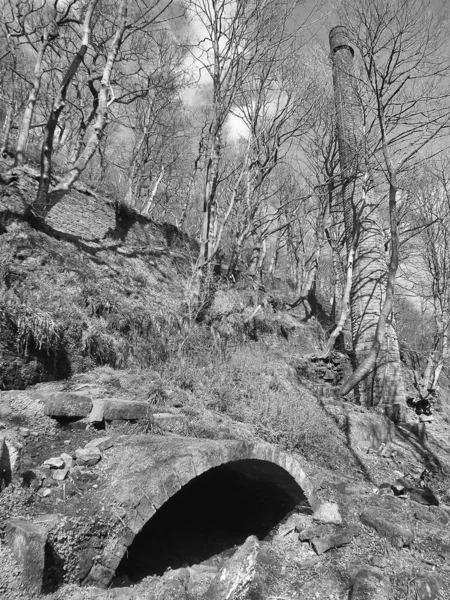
(211, 515)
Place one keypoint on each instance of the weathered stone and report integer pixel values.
(103, 443)
(69, 461)
(5, 408)
(99, 576)
(172, 586)
(200, 578)
(422, 496)
(87, 457)
(115, 409)
(169, 421)
(5, 464)
(146, 470)
(60, 474)
(399, 487)
(238, 577)
(328, 512)
(370, 584)
(24, 432)
(27, 542)
(398, 533)
(327, 542)
(44, 492)
(10, 456)
(79, 425)
(97, 413)
(49, 482)
(314, 532)
(54, 463)
(68, 404)
(48, 522)
(123, 593)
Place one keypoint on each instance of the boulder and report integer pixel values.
(67, 404)
(98, 409)
(172, 586)
(200, 578)
(87, 457)
(27, 542)
(238, 578)
(370, 584)
(388, 526)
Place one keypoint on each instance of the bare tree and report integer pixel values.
(404, 108)
(235, 38)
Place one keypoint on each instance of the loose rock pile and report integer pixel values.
(56, 471)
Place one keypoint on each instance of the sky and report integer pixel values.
(318, 18)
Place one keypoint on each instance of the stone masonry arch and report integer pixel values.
(146, 471)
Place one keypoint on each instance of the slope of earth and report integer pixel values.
(100, 286)
(255, 390)
(98, 342)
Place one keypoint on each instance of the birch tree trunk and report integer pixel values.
(104, 101)
(40, 203)
(24, 130)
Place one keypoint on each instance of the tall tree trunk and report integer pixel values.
(64, 185)
(148, 204)
(25, 126)
(7, 128)
(40, 204)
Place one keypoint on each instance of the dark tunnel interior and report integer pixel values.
(211, 514)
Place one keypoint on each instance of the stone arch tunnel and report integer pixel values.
(182, 500)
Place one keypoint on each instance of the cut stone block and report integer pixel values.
(168, 421)
(99, 576)
(98, 409)
(68, 404)
(115, 410)
(27, 542)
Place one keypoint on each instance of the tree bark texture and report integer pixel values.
(383, 382)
